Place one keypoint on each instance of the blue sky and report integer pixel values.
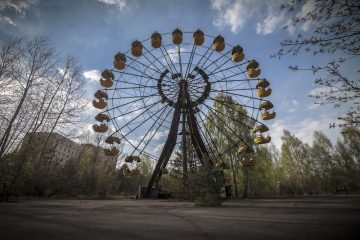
(93, 30)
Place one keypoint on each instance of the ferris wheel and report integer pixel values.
(166, 92)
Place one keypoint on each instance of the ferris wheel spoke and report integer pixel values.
(206, 56)
(139, 86)
(218, 128)
(147, 67)
(198, 63)
(244, 105)
(141, 123)
(129, 97)
(236, 89)
(196, 87)
(197, 91)
(136, 107)
(234, 146)
(134, 75)
(228, 127)
(190, 60)
(221, 57)
(156, 58)
(180, 62)
(233, 119)
(152, 63)
(136, 84)
(154, 132)
(150, 129)
(144, 153)
(144, 74)
(144, 65)
(167, 58)
(174, 87)
(124, 104)
(122, 93)
(206, 136)
(156, 70)
(245, 115)
(237, 80)
(171, 93)
(240, 95)
(222, 70)
(197, 80)
(203, 64)
(134, 110)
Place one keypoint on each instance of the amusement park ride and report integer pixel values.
(166, 87)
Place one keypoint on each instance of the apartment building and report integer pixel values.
(52, 145)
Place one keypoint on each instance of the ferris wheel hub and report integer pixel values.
(196, 83)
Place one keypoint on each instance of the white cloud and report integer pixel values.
(120, 4)
(233, 13)
(291, 110)
(295, 102)
(267, 16)
(293, 106)
(219, 4)
(173, 54)
(313, 106)
(8, 20)
(157, 135)
(92, 75)
(290, 26)
(319, 91)
(131, 143)
(306, 8)
(276, 131)
(89, 127)
(90, 111)
(304, 130)
(159, 148)
(135, 111)
(18, 5)
(270, 23)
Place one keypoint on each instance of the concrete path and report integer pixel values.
(301, 218)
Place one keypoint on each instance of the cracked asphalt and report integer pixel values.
(299, 218)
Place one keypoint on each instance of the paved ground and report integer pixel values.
(302, 218)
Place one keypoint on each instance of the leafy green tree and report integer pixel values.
(208, 184)
(294, 165)
(227, 123)
(262, 175)
(174, 182)
(347, 160)
(322, 162)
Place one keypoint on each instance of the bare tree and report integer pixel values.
(336, 29)
(63, 107)
(40, 91)
(36, 61)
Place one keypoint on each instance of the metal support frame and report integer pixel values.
(183, 107)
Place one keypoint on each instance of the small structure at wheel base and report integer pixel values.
(156, 193)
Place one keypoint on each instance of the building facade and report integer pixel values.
(51, 146)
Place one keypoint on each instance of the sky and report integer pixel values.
(93, 30)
